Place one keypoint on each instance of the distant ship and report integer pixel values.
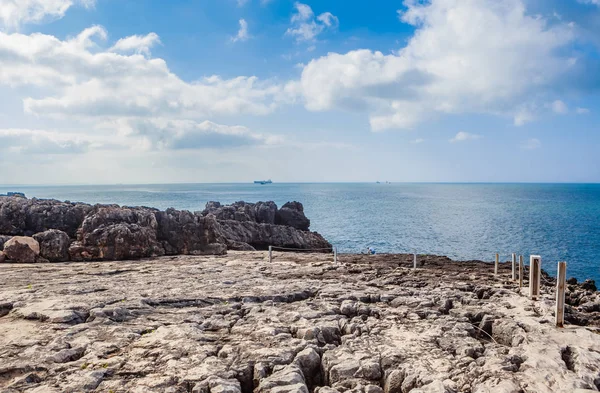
(263, 181)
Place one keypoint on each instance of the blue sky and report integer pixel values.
(111, 91)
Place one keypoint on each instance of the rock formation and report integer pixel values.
(54, 245)
(111, 232)
(239, 324)
(249, 226)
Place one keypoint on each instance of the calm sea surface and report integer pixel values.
(462, 221)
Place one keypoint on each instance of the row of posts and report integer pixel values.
(535, 275)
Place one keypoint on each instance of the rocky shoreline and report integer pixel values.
(39, 230)
(237, 324)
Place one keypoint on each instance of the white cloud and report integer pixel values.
(14, 13)
(28, 141)
(531, 144)
(582, 111)
(79, 78)
(305, 27)
(176, 134)
(417, 141)
(466, 56)
(136, 44)
(242, 3)
(462, 136)
(559, 107)
(242, 34)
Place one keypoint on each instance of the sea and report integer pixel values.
(560, 222)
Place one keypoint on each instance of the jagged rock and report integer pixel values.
(260, 212)
(589, 285)
(2, 257)
(309, 362)
(22, 249)
(114, 233)
(261, 236)
(393, 382)
(54, 245)
(290, 377)
(25, 217)
(182, 232)
(292, 214)
(218, 385)
(507, 332)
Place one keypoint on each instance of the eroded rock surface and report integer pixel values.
(238, 324)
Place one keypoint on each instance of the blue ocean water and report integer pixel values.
(462, 221)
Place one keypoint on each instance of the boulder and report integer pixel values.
(22, 249)
(54, 245)
(182, 232)
(292, 214)
(114, 233)
(2, 257)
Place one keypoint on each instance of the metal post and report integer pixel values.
(496, 264)
(535, 276)
(560, 293)
(270, 254)
(414, 261)
(335, 255)
(514, 266)
(521, 271)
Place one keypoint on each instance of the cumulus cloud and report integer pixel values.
(531, 144)
(136, 44)
(14, 13)
(306, 27)
(85, 80)
(466, 56)
(417, 141)
(464, 136)
(582, 111)
(242, 34)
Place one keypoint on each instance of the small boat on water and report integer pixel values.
(263, 181)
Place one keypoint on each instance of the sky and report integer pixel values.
(149, 91)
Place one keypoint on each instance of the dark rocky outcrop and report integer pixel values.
(82, 232)
(260, 212)
(248, 226)
(54, 245)
(25, 217)
(116, 233)
(292, 214)
(261, 236)
(182, 232)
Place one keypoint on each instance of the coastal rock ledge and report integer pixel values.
(51, 230)
(299, 324)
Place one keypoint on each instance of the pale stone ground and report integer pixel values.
(236, 324)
